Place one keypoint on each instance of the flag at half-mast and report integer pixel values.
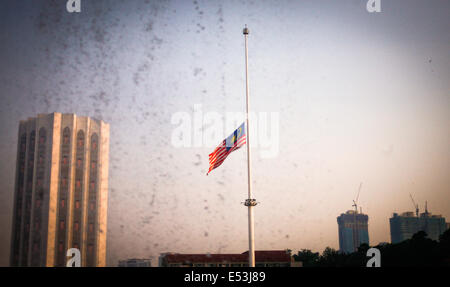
(228, 145)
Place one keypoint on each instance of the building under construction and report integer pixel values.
(353, 230)
(405, 225)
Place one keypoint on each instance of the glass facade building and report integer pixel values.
(405, 225)
(353, 231)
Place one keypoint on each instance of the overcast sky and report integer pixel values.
(361, 97)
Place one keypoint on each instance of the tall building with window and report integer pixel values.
(61, 191)
(353, 231)
(404, 226)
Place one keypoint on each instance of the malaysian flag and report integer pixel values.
(228, 145)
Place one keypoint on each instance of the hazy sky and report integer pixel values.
(361, 97)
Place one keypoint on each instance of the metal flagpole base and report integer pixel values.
(250, 202)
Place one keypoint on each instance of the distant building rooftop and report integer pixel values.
(273, 256)
(407, 214)
(134, 262)
(412, 214)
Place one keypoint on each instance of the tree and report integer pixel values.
(420, 235)
(363, 248)
(331, 257)
(445, 237)
(444, 248)
(307, 257)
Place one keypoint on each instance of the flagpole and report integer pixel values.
(250, 202)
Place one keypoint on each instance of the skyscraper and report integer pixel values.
(404, 226)
(61, 191)
(353, 231)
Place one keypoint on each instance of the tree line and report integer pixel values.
(417, 251)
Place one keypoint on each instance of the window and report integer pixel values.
(77, 204)
(40, 194)
(92, 205)
(91, 227)
(42, 135)
(32, 140)
(78, 183)
(65, 160)
(64, 182)
(66, 135)
(62, 225)
(61, 247)
(76, 226)
(36, 225)
(93, 165)
(38, 203)
(78, 163)
(90, 248)
(63, 203)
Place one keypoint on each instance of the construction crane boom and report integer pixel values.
(416, 206)
(355, 202)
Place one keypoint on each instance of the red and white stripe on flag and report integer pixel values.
(217, 157)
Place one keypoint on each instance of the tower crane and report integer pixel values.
(416, 206)
(355, 202)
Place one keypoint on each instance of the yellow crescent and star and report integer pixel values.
(234, 138)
